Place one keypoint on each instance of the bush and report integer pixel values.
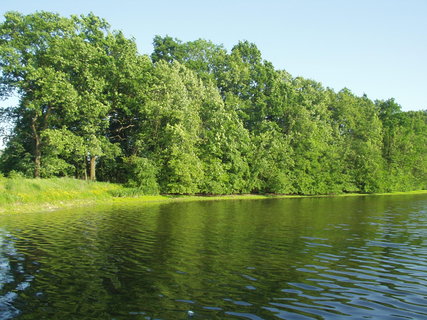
(16, 175)
(141, 175)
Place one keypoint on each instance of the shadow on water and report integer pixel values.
(325, 258)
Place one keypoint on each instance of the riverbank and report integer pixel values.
(25, 195)
(33, 195)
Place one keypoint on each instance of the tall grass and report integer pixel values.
(22, 191)
(22, 195)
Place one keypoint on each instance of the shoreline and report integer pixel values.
(33, 207)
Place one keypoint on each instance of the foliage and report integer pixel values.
(142, 175)
(192, 118)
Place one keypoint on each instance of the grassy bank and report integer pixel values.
(17, 195)
(32, 195)
(29, 195)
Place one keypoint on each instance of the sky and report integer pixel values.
(373, 47)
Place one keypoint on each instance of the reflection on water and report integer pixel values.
(356, 258)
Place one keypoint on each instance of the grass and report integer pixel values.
(18, 195)
(29, 195)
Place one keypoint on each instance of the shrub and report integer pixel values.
(141, 175)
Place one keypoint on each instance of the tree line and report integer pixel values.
(192, 117)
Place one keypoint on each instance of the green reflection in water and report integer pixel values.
(312, 258)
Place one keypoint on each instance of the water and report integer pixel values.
(325, 258)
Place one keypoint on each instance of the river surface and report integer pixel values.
(318, 258)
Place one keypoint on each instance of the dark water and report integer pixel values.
(356, 258)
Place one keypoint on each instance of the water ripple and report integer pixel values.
(273, 259)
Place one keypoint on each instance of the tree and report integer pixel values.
(193, 118)
(63, 151)
(356, 121)
(26, 68)
(167, 49)
(58, 67)
(272, 161)
(170, 132)
(201, 56)
(225, 147)
(246, 84)
(404, 146)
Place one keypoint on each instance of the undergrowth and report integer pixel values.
(20, 195)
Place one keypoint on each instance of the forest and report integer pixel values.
(191, 118)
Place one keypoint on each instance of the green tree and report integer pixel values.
(193, 118)
(167, 49)
(171, 131)
(404, 146)
(26, 68)
(246, 84)
(356, 121)
(57, 65)
(63, 153)
(225, 148)
(272, 161)
(141, 174)
(203, 57)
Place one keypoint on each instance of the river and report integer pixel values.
(312, 258)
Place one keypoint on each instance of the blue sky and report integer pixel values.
(377, 47)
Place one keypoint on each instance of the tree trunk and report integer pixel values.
(37, 160)
(92, 168)
(37, 150)
(83, 169)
